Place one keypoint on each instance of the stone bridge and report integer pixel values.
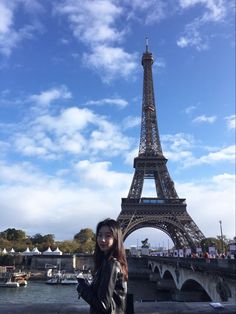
(195, 279)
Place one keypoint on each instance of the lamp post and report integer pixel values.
(221, 235)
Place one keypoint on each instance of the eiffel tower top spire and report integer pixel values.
(146, 44)
(150, 144)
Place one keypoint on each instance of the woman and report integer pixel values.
(107, 293)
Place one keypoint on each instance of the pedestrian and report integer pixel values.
(108, 290)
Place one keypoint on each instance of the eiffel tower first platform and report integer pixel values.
(166, 212)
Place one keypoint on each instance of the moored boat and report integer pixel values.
(10, 284)
(20, 277)
(69, 279)
(55, 278)
(63, 278)
(53, 281)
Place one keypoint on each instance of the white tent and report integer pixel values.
(57, 251)
(12, 251)
(4, 251)
(35, 251)
(48, 251)
(27, 252)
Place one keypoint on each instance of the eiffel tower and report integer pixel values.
(166, 212)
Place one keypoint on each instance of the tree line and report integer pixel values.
(83, 241)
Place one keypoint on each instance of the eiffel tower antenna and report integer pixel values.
(166, 211)
(146, 44)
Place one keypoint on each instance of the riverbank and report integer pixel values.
(139, 308)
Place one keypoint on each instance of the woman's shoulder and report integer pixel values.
(114, 260)
(114, 263)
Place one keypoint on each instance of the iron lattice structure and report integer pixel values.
(167, 211)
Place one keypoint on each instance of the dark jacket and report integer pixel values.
(107, 293)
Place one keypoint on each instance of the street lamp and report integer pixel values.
(221, 234)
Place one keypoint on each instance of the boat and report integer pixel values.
(86, 275)
(10, 284)
(54, 279)
(15, 279)
(20, 277)
(69, 279)
(63, 278)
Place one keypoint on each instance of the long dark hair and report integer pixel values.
(117, 251)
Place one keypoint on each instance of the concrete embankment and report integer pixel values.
(139, 308)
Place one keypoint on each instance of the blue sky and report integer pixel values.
(70, 110)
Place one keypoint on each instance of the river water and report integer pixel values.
(40, 292)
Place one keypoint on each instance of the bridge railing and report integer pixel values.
(216, 265)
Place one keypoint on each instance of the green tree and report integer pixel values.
(68, 246)
(49, 239)
(86, 240)
(12, 234)
(84, 235)
(37, 239)
(43, 241)
(207, 242)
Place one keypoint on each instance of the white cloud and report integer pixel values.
(210, 201)
(129, 156)
(94, 23)
(32, 146)
(74, 131)
(215, 11)
(192, 38)
(225, 154)
(10, 37)
(180, 148)
(68, 121)
(148, 12)
(98, 174)
(178, 142)
(49, 136)
(4, 147)
(131, 121)
(44, 204)
(110, 62)
(203, 118)
(231, 122)
(46, 97)
(108, 139)
(159, 63)
(20, 174)
(6, 18)
(190, 109)
(109, 101)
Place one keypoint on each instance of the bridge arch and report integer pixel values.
(197, 275)
(200, 294)
(168, 275)
(156, 270)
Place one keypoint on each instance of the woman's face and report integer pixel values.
(105, 239)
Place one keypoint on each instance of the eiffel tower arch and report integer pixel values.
(166, 212)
